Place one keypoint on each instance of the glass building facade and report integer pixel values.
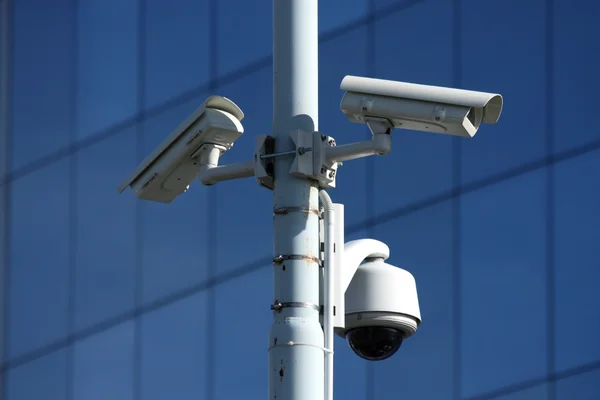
(108, 297)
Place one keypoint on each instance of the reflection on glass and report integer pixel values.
(106, 243)
(577, 253)
(39, 259)
(107, 64)
(177, 48)
(103, 365)
(42, 78)
(42, 378)
(503, 284)
(174, 350)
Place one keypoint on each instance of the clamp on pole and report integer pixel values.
(318, 157)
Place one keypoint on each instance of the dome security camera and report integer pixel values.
(381, 303)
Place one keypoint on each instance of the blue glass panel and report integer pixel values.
(510, 62)
(420, 164)
(244, 33)
(244, 213)
(392, 5)
(344, 55)
(579, 387)
(107, 63)
(503, 289)
(336, 13)
(174, 235)
(43, 78)
(174, 350)
(576, 80)
(103, 365)
(535, 393)
(177, 48)
(43, 378)
(39, 259)
(241, 342)
(421, 243)
(105, 256)
(577, 254)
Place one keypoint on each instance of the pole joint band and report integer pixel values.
(287, 210)
(290, 343)
(286, 257)
(277, 306)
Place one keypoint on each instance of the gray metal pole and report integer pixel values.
(296, 358)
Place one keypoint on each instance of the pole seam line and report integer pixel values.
(73, 207)
(550, 202)
(6, 68)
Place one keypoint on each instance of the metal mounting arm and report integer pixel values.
(380, 144)
(211, 172)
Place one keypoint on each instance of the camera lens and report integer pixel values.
(374, 343)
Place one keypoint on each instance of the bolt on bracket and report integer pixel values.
(311, 161)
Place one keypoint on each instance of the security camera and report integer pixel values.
(418, 107)
(175, 163)
(381, 304)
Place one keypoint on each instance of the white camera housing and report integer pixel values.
(419, 107)
(372, 293)
(174, 164)
(382, 295)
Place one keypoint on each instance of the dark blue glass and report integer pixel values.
(383, 6)
(503, 284)
(103, 365)
(177, 50)
(107, 63)
(539, 392)
(105, 223)
(174, 236)
(43, 378)
(244, 34)
(576, 63)
(577, 253)
(421, 243)
(174, 350)
(420, 163)
(583, 386)
(42, 78)
(505, 54)
(39, 259)
(338, 14)
(241, 341)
